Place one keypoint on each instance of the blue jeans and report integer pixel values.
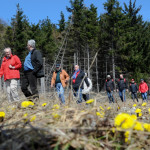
(78, 93)
(144, 96)
(60, 92)
(122, 95)
(110, 96)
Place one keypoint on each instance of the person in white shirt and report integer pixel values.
(86, 90)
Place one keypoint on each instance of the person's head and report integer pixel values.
(142, 80)
(7, 52)
(58, 67)
(121, 76)
(31, 44)
(132, 80)
(108, 77)
(76, 67)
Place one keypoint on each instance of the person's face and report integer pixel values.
(7, 53)
(57, 68)
(29, 47)
(76, 67)
(121, 76)
(142, 81)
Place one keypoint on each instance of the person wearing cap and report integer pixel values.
(60, 79)
(143, 89)
(33, 69)
(110, 88)
(122, 87)
(78, 79)
(133, 88)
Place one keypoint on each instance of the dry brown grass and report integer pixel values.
(77, 127)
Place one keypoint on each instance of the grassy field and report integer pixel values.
(95, 126)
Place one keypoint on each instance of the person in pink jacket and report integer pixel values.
(143, 88)
(10, 67)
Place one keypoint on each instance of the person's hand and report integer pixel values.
(117, 90)
(127, 90)
(52, 86)
(66, 81)
(11, 67)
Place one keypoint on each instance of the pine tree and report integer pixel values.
(62, 22)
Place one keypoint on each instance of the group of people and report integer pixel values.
(122, 87)
(33, 69)
(80, 83)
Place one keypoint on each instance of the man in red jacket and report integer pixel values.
(143, 88)
(10, 67)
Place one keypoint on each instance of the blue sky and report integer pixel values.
(37, 10)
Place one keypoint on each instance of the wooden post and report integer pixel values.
(43, 79)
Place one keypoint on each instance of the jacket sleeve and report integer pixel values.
(39, 61)
(126, 85)
(146, 87)
(1, 70)
(18, 64)
(86, 81)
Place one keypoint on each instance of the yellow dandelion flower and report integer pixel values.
(101, 107)
(138, 126)
(26, 104)
(33, 118)
(2, 114)
(134, 117)
(56, 106)
(25, 115)
(126, 134)
(44, 104)
(82, 111)
(124, 121)
(140, 114)
(144, 104)
(90, 101)
(146, 127)
(108, 108)
(55, 115)
(113, 129)
(134, 105)
(100, 114)
(137, 110)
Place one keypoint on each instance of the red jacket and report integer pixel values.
(10, 73)
(143, 87)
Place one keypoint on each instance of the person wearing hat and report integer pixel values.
(110, 88)
(133, 88)
(143, 88)
(60, 79)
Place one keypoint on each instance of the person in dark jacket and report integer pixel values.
(133, 88)
(33, 69)
(78, 79)
(110, 88)
(122, 87)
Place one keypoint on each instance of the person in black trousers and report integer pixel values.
(133, 88)
(33, 69)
